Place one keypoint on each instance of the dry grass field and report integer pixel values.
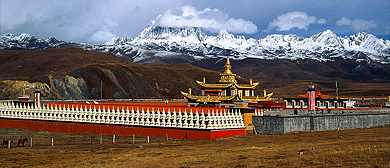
(353, 148)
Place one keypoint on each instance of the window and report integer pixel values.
(297, 103)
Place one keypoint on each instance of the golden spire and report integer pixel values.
(227, 76)
(228, 67)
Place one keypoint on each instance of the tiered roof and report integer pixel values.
(228, 80)
(227, 85)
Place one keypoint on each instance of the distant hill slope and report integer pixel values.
(290, 77)
(340, 69)
(77, 74)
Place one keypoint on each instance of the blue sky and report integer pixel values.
(97, 21)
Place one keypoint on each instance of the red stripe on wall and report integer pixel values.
(122, 130)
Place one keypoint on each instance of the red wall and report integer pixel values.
(82, 128)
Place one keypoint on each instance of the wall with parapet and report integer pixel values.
(284, 124)
(155, 123)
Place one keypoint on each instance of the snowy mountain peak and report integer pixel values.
(325, 35)
(164, 41)
(329, 32)
(8, 36)
(24, 36)
(328, 39)
(360, 37)
(118, 41)
(223, 34)
(52, 40)
(157, 33)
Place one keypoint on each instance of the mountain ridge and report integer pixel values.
(77, 74)
(160, 42)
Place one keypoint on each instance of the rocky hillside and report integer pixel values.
(78, 74)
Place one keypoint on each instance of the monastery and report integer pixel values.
(227, 92)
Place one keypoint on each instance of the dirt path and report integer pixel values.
(355, 148)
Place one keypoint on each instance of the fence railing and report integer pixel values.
(212, 119)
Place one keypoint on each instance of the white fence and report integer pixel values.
(259, 112)
(222, 119)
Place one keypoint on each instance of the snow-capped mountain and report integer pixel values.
(118, 41)
(162, 42)
(322, 46)
(29, 42)
(25, 41)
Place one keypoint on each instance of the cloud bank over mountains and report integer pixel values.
(98, 21)
(356, 24)
(212, 20)
(290, 20)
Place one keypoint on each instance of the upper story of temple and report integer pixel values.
(226, 90)
(227, 85)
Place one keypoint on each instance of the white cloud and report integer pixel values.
(210, 19)
(321, 21)
(88, 21)
(356, 24)
(101, 36)
(290, 20)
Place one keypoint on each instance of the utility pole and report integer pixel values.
(337, 91)
(101, 89)
(338, 126)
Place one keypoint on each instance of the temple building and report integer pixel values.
(320, 101)
(227, 92)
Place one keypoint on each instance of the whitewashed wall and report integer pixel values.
(212, 119)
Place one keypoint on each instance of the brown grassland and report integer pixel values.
(353, 148)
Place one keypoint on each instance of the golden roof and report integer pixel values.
(228, 80)
(246, 86)
(208, 98)
(218, 99)
(255, 99)
(227, 85)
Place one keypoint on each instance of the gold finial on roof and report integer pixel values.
(250, 81)
(189, 91)
(228, 68)
(227, 76)
(204, 79)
